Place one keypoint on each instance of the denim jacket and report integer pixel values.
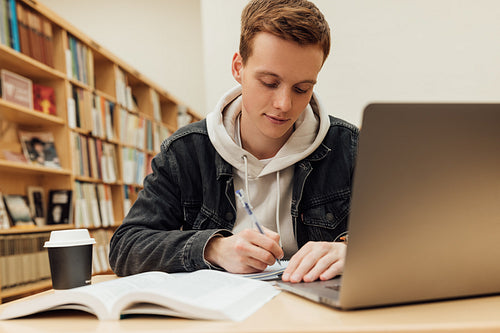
(190, 197)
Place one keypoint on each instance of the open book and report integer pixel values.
(203, 294)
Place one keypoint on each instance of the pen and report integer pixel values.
(241, 195)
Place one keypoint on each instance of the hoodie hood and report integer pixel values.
(222, 124)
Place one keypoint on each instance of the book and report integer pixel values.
(204, 294)
(14, 30)
(36, 38)
(4, 217)
(44, 99)
(36, 200)
(14, 156)
(22, 16)
(23, 259)
(47, 41)
(39, 148)
(4, 23)
(127, 199)
(17, 89)
(100, 251)
(79, 63)
(156, 105)
(60, 207)
(82, 219)
(79, 105)
(18, 210)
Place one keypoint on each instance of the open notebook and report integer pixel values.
(273, 272)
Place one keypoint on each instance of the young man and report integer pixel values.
(269, 136)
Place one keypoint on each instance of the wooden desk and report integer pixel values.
(289, 313)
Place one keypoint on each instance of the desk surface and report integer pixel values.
(290, 313)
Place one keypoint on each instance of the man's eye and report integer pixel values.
(270, 85)
(300, 91)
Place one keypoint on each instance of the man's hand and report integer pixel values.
(246, 252)
(323, 260)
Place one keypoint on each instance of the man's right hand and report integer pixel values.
(245, 252)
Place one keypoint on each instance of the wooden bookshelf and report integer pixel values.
(92, 87)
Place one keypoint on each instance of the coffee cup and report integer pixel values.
(70, 257)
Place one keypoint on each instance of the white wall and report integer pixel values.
(161, 39)
(384, 50)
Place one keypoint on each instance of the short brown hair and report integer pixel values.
(294, 20)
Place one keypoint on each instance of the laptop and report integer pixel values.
(425, 208)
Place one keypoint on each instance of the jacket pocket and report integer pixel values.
(193, 219)
(198, 217)
(326, 217)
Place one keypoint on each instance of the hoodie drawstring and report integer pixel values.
(247, 191)
(278, 196)
(278, 206)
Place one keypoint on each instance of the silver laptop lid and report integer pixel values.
(425, 213)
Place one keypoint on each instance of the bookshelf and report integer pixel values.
(108, 123)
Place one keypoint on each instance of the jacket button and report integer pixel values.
(329, 216)
(229, 216)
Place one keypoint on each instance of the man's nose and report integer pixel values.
(283, 100)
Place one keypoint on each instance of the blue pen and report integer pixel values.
(241, 195)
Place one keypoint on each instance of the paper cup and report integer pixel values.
(70, 256)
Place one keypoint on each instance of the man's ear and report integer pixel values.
(237, 67)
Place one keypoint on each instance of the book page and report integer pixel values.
(59, 299)
(110, 292)
(202, 294)
(98, 299)
(219, 295)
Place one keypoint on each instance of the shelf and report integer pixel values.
(34, 229)
(106, 96)
(96, 180)
(22, 115)
(112, 227)
(23, 65)
(80, 84)
(82, 150)
(24, 168)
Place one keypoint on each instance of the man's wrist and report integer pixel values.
(210, 251)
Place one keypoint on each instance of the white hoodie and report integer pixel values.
(267, 183)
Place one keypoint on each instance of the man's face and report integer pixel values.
(277, 84)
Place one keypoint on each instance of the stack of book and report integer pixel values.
(100, 251)
(24, 92)
(133, 165)
(79, 62)
(102, 118)
(26, 31)
(93, 205)
(23, 259)
(94, 158)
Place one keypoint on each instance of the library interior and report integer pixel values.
(90, 90)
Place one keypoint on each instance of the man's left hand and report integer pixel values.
(316, 260)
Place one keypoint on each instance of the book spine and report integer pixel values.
(14, 29)
(4, 23)
(47, 35)
(37, 29)
(23, 30)
(72, 112)
(23, 259)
